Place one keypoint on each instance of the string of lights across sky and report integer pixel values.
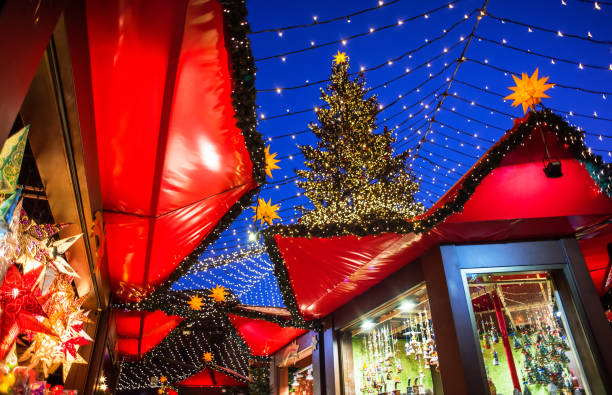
(440, 70)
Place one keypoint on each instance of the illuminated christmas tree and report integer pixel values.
(352, 173)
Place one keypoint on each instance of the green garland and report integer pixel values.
(570, 136)
(260, 376)
(176, 303)
(190, 331)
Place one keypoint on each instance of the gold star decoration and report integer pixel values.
(528, 91)
(271, 161)
(340, 57)
(196, 302)
(218, 293)
(265, 211)
(208, 357)
(163, 379)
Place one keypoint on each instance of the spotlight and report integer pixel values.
(552, 168)
(407, 306)
(367, 325)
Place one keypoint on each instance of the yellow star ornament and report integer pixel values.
(218, 293)
(265, 211)
(208, 357)
(340, 57)
(528, 91)
(196, 302)
(163, 379)
(271, 161)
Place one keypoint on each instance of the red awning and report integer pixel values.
(140, 331)
(211, 378)
(516, 201)
(172, 160)
(263, 338)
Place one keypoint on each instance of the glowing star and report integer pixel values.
(265, 211)
(20, 307)
(528, 91)
(163, 379)
(208, 357)
(66, 320)
(271, 161)
(340, 57)
(218, 293)
(196, 302)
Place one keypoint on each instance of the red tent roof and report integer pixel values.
(514, 201)
(209, 377)
(263, 338)
(172, 160)
(140, 331)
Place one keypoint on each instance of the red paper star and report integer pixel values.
(19, 307)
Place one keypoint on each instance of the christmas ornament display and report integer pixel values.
(397, 356)
(522, 335)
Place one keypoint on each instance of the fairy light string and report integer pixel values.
(344, 41)
(319, 22)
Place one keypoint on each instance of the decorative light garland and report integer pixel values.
(600, 172)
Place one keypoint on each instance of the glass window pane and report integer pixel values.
(393, 349)
(524, 338)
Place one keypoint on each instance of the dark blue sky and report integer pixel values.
(463, 130)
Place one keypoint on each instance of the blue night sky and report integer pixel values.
(428, 46)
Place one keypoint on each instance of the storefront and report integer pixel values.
(494, 297)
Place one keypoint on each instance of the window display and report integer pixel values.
(524, 337)
(393, 350)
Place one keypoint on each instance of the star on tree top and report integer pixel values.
(340, 57)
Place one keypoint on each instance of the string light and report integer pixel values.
(531, 27)
(345, 40)
(408, 54)
(317, 22)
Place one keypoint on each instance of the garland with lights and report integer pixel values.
(203, 315)
(181, 353)
(243, 100)
(260, 376)
(177, 303)
(570, 136)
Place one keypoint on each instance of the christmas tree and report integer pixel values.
(352, 173)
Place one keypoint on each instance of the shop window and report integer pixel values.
(301, 380)
(393, 349)
(524, 335)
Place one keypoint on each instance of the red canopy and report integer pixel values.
(515, 201)
(211, 378)
(264, 338)
(172, 160)
(140, 331)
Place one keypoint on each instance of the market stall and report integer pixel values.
(485, 206)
